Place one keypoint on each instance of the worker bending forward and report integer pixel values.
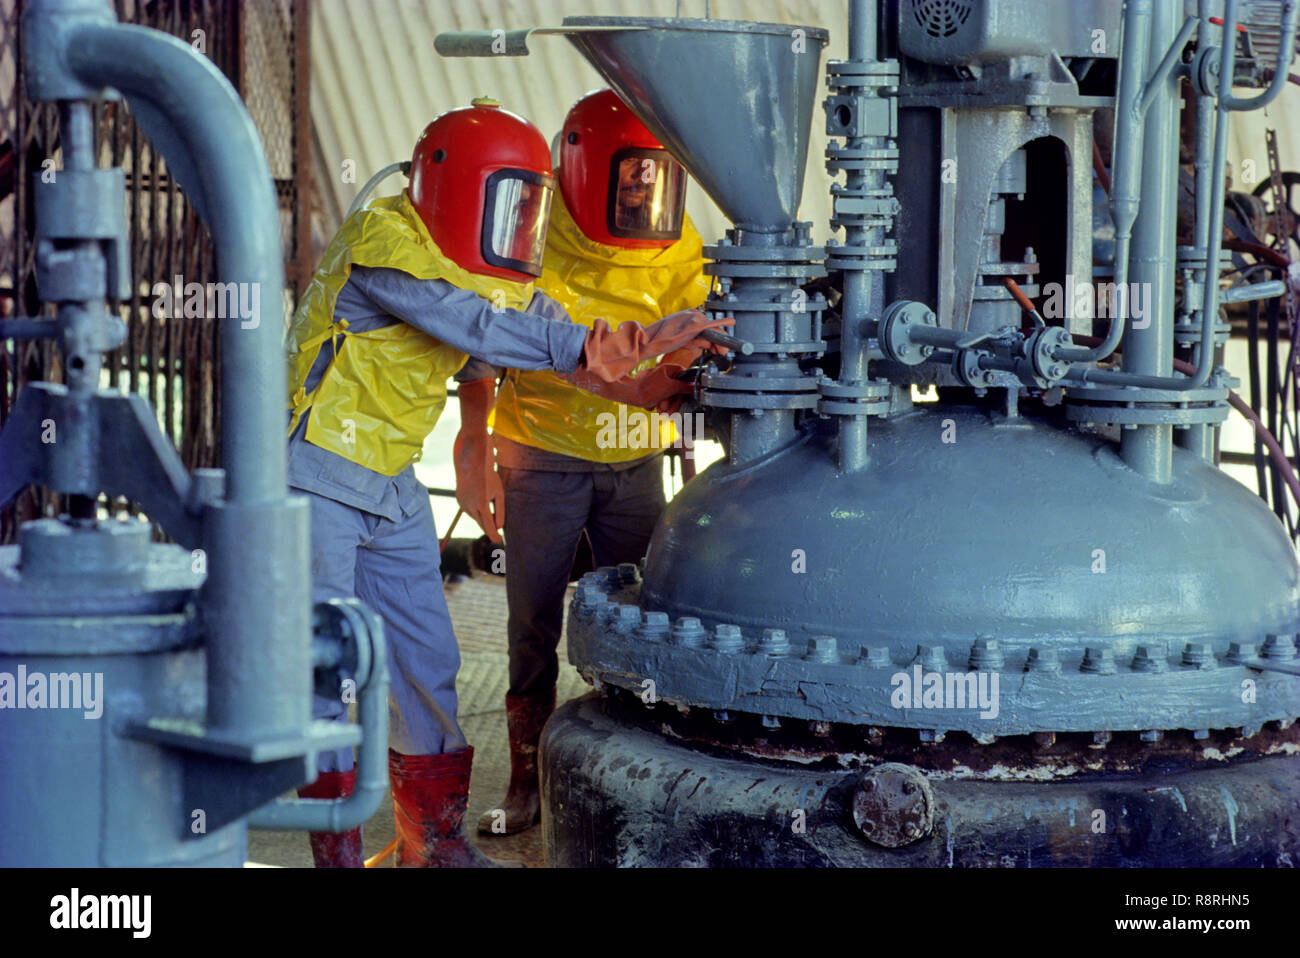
(408, 288)
(619, 249)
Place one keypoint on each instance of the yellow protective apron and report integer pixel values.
(594, 281)
(384, 390)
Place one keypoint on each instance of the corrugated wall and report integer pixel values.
(376, 80)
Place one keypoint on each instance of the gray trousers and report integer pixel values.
(394, 568)
(546, 512)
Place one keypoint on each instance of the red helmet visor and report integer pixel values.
(647, 195)
(515, 210)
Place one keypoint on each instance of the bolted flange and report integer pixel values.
(893, 805)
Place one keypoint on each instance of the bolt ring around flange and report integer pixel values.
(893, 805)
(893, 334)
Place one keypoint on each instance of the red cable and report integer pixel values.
(1099, 167)
(1275, 450)
(1255, 249)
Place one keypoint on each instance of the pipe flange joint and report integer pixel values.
(863, 258)
(1041, 349)
(1204, 71)
(843, 73)
(893, 805)
(895, 332)
(966, 367)
(1138, 406)
(1187, 333)
(853, 399)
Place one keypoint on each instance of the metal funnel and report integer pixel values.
(732, 100)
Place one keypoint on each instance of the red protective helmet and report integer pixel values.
(622, 187)
(481, 181)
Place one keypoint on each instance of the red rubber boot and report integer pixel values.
(334, 849)
(522, 806)
(430, 795)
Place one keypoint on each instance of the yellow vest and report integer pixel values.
(384, 390)
(594, 281)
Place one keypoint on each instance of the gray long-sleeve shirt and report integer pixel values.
(537, 337)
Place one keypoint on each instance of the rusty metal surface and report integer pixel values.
(958, 756)
(616, 793)
(1015, 758)
(893, 805)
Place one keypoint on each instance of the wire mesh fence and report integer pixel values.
(173, 360)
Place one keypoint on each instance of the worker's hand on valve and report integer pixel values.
(611, 354)
(661, 387)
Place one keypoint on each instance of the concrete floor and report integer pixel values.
(478, 611)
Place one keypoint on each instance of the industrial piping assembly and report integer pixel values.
(191, 663)
(1028, 624)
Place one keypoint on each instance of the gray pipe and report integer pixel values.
(81, 321)
(1149, 349)
(1227, 63)
(320, 815)
(862, 29)
(1125, 178)
(1199, 437)
(1205, 356)
(1243, 294)
(1171, 59)
(860, 286)
(255, 602)
(214, 126)
(1285, 55)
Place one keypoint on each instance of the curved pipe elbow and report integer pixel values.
(218, 145)
(1285, 57)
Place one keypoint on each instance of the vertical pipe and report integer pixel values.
(1200, 439)
(1148, 344)
(861, 289)
(76, 135)
(209, 119)
(1125, 185)
(256, 601)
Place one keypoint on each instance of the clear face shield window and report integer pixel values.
(517, 205)
(647, 195)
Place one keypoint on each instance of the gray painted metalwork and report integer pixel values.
(751, 157)
(808, 581)
(204, 649)
(1211, 566)
(861, 109)
(769, 72)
